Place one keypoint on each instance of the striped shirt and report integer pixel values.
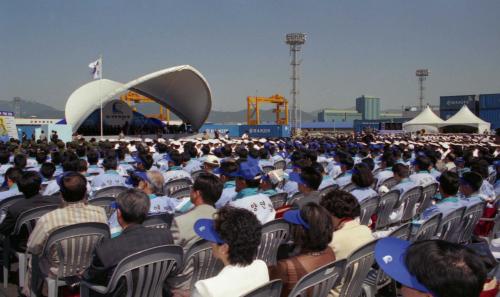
(73, 213)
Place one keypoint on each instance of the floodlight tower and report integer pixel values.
(422, 76)
(295, 41)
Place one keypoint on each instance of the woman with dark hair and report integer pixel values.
(235, 235)
(348, 233)
(362, 178)
(312, 232)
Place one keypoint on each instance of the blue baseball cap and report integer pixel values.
(138, 159)
(204, 228)
(390, 255)
(248, 170)
(167, 157)
(295, 176)
(142, 175)
(221, 171)
(293, 217)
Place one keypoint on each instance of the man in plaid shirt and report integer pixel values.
(75, 210)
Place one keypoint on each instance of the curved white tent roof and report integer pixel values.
(182, 89)
(465, 117)
(427, 120)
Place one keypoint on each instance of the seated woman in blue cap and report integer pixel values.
(312, 232)
(235, 235)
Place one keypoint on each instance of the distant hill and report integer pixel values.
(30, 109)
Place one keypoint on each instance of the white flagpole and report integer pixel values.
(102, 129)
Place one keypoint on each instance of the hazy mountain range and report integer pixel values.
(40, 110)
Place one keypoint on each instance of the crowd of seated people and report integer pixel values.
(232, 186)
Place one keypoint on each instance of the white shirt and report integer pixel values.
(123, 167)
(109, 179)
(334, 169)
(94, 169)
(52, 188)
(233, 281)
(344, 180)
(291, 188)
(326, 181)
(227, 196)
(487, 190)
(3, 169)
(192, 166)
(362, 194)
(383, 176)
(423, 178)
(13, 191)
(259, 204)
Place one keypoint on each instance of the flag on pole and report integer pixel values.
(96, 67)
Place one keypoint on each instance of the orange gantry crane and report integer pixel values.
(253, 109)
(132, 99)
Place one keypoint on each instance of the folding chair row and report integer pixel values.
(349, 273)
(456, 226)
(154, 265)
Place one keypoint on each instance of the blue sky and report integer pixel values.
(354, 47)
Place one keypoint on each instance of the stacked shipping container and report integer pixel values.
(449, 105)
(489, 109)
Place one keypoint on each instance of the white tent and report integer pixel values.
(465, 117)
(427, 120)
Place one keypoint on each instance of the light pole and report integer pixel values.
(422, 74)
(295, 41)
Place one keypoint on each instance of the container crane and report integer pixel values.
(132, 98)
(281, 110)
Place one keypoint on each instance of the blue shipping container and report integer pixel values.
(254, 131)
(446, 114)
(456, 102)
(489, 101)
(266, 130)
(492, 116)
(234, 130)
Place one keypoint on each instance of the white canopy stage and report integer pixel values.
(427, 120)
(465, 120)
(182, 89)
